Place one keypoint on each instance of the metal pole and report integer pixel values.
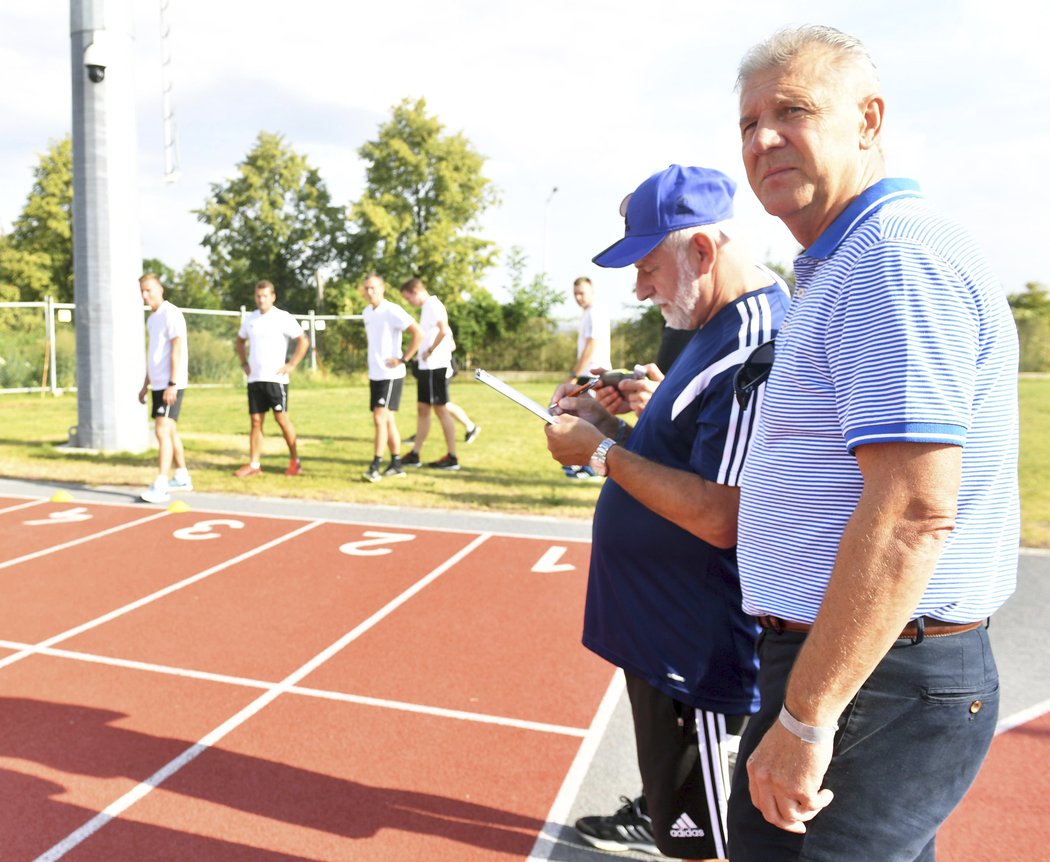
(313, 341)
(107, 250)
(546, 207)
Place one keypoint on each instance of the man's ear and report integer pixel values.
(705, 250)
(872, 112)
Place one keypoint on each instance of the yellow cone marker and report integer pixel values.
(179, 506)
(62, 497)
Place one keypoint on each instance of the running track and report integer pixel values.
(217, 686)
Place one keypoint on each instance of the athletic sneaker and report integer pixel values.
(295, 467)
(410, 460)
(394, 469)
(372, 474)
(246, 471)
(411, 439)
(449, 462)
(181, 482)
(628, 829)
(156, 493)
(472, 433)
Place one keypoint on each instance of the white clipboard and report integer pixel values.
(515, 396)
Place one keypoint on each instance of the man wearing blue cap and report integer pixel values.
(663, 599)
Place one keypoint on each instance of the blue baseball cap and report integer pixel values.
(670, 200)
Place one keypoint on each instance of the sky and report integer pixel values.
(585, 97)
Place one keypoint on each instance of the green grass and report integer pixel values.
(508, 468)
(1034, 465)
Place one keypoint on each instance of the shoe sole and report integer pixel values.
(154, 498)
(368, 478)
(400, 475)
(620, 846)
(183, 488)
(247, 475)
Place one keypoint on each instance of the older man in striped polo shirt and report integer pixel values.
(879, 505)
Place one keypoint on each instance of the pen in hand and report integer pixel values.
(579, 390)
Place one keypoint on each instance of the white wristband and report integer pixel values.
(807, 732)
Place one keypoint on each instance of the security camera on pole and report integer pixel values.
(107, 253)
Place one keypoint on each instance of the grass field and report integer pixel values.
(507, 469)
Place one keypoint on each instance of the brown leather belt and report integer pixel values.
(932, 628)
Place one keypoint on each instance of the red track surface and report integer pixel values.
(308, 690)
(359, 693)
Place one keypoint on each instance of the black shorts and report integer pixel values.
(385, 393)
(169, 411)
(432, 386)
(685, 757)
(264, 395)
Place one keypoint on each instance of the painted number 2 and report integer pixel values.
(373, 545)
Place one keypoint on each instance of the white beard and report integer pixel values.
(678, 314)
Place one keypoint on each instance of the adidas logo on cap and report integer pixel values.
(684, 827)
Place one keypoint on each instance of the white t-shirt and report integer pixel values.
(164, 324)
(431, 314)
(267, 336)
(383, 326)
(595, 324)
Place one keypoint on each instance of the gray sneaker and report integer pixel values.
(472, 433)
(372, 474)
(394, 470)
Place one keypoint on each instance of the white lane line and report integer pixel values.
(119, 806)
(25, 505)
(152, 597)
(74, 542)
(1031, 713)
(323, 694)
(548, 839)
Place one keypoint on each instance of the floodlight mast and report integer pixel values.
(107, 249)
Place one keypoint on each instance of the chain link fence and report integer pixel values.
(38, 345)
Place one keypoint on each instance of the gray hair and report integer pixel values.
(787, 44)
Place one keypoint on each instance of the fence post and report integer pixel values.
(313, 342)
(49, 312)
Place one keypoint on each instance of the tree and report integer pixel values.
(274, 220)
(424, 195)
(37, 256)
(1031, 311)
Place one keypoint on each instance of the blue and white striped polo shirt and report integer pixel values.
(897, 332)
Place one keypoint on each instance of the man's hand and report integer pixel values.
(630, 395)
(573, 440)
(287, 368)
(393, 362)
(785, 775)
(143, 392)
(171, 394)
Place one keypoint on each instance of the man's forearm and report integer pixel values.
(706, 509)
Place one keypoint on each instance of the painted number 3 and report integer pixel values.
(203, 530)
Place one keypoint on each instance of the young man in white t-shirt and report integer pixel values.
(435, 366)
(385, 324)
(594, 342)
(167, 372)
(267, 331)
